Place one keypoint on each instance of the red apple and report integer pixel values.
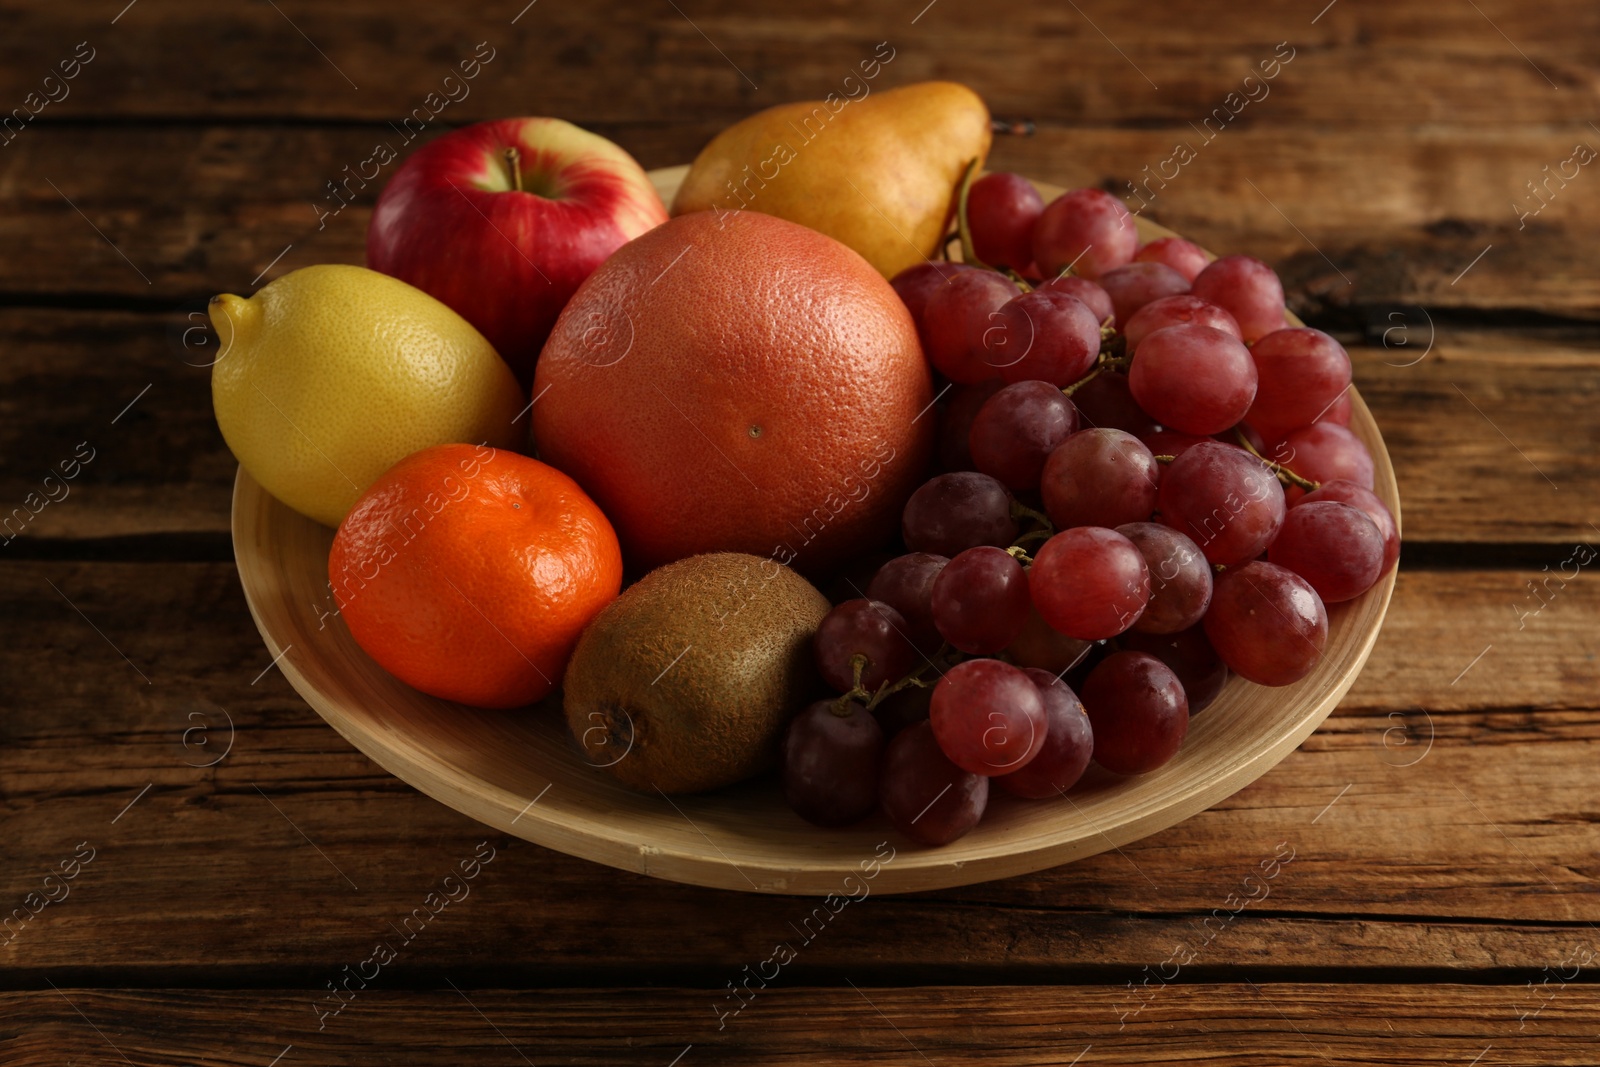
(503, 220)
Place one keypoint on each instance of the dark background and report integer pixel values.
(1439, 904)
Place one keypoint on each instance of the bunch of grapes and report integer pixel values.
(1148, 483)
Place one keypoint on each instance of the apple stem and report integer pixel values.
(514, 161)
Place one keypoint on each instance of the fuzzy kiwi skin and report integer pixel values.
(686, 681)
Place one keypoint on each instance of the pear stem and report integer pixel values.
(514, 162)
(1014, 128)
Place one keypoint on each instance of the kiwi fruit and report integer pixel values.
(686, 681)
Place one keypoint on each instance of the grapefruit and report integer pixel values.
(734, 382)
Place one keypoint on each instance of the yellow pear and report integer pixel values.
(878, 173)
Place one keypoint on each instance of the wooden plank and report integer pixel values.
(1467, 475)
(1224, 1025)
(1470, 822)
(376, 60)
(106, 427)
(1355, 219)
(1489, 431)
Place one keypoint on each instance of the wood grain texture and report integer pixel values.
(1125, 64)
(1458, 844)
(1356, 219)
(1234, 1025)
(1467, 808)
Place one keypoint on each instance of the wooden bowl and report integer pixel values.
(520, 773)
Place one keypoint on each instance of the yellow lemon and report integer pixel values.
(330, 375)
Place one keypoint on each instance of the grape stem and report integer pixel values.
(1018, 280)
(1081, 382)
(913, 679)
(1285, 475)
(1033, 535)
(1163, 459)
(1021, 554)
(1020, 511)
(1104, 362)
(967, 254)
(841, 707)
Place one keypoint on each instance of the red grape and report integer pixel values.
(988, 717)
(1300, 373)
(1099, 477)
(1185, 257)
(953, 512)
(1249, 289)
(956, 318)
(1097, 299)
(1334, 546)
(1134, 285)
(1327, 452)
(955, 423)
(1180, 578)
(867, 628)
(1017, 429)
(1087, 229)
(1338, 411)
(980, 600)
(1089, 582)
(1068, 744)
(1193, 378)
(1175, 311)
(925, 796)
(1266, 623)
(1191, 657)
(1044, 335)
(1106, 401)
(905, 583)
(830, 763)
(1365, 499)
(1138, 710)
(1041, 645)
(1226, 500)
(916, 284)
(1001, 210)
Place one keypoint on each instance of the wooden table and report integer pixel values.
(233, 858)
